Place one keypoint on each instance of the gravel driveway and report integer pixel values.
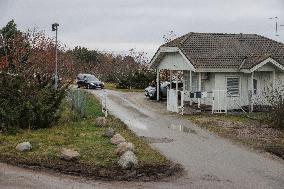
(210, 162)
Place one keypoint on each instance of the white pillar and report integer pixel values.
(176, 82)
(183, 81)
(190, 81)
(273, 79)
(158, 85)
(199, 88)
(251, 101)
(171, 78)
(190, 85)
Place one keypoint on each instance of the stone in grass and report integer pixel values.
(123, 147)
(101, 121)
(69, 154)
(109, 133)
(24, 146)
(128, 160)
(117, 139)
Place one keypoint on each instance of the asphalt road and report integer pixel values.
(210, 161)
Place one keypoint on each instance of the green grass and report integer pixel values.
(112, 86)
(80, 134)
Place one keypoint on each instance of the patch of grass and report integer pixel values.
(82, 135)
(249, 129)
(228, 117)
(112, 86)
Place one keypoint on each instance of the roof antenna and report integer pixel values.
(276, 25)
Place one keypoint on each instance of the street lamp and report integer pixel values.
(55, 28)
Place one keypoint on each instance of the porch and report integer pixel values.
(195, 94)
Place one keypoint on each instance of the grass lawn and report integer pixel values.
(97, 153)
(253, 131)
(112, 86)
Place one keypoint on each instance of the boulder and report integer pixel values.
(69, 154)
(128, 160)
(24, 146)
(117, 139)
(109, 133)
(123, 147)
(101, 121)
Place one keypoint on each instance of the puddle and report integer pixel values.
(182, 129)
(136, 124)
(213, 178)
(156, 140)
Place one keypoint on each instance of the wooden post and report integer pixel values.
(199, 88)
(251, 100)
(158, 85)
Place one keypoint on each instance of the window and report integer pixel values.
(254, 86)
(233, 85)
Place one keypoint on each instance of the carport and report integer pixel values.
(172, 59)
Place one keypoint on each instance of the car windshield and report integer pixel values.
(92, 78)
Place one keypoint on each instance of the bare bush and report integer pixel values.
(274, 97)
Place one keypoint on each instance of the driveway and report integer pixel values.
(210, 161)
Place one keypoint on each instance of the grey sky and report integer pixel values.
(117, 25)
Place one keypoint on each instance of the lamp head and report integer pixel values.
(54, 26)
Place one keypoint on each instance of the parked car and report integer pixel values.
(89, 81)
(151, 91)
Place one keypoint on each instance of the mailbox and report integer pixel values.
(198, 94)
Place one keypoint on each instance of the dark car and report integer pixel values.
(89, 81)
(151, 91)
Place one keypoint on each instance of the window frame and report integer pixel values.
(255, 86)
(239, 86)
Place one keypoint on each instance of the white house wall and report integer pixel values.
(174, 61)
(221, 84)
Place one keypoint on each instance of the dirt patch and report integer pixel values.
(144, 173)
(254, 133)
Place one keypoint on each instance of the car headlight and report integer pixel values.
(92, 84)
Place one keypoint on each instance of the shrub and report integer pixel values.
(275, 98)
(29, 103)
(139, 79)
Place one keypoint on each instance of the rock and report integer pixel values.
(24, 146)
(101, 121)
(109, 133)
(117, 139)
(128, 160)
(69, 155)
(123, 147)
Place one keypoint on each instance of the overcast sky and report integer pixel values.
(119, 25)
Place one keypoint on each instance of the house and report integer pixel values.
(223, 71)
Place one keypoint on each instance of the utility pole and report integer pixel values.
(55, 28)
